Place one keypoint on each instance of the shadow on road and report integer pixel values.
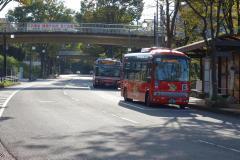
(5, 118)
(157, 111)
(136, 143)
(170, 111)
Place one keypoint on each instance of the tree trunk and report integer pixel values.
(238, 15)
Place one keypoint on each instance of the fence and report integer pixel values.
(9, 78)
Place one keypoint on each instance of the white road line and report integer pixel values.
(126, 119)
(47, 101)
(6, 102)
(75, 99)
(9, 98)
(65, 93)
(129, 120)
(80, 87)
(134, 106)
(219, 146)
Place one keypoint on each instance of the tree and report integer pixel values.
(38, 11)
(54, 11)
(209, 11)
(171, 12)
(4, 3)
(188, 27)
(109, 11)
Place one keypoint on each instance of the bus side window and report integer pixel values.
(127, 68)
(144, 72)
(138, 71)
(149, 69)
(132, 71)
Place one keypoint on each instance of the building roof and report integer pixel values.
(224, 42)
(191, 47)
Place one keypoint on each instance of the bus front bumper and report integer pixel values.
(103, 82)
(179, 98)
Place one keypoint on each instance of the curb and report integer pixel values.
(215, 110)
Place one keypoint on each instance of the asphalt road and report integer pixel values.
(66, 119)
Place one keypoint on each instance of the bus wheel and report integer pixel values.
(182, 106)
(148, 100)
(125, 96)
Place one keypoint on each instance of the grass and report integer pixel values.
(8, 84)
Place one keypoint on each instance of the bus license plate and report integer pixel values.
(171, 101)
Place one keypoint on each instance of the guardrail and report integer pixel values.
(94, 28)
(9, 78)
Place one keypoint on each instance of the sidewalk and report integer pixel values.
(233, 110)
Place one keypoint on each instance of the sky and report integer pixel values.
(75, 5)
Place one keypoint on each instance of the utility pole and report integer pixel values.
(162, 38)
(155, 30)
(156, 25)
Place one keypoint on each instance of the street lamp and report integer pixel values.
(30, 67)
(145, 24)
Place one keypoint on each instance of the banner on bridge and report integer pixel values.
(51, 27)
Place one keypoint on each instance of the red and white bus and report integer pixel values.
(106, 73)
(160, 76)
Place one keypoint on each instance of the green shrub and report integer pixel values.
(7, 84)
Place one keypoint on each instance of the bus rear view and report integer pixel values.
(156, 77)
(106, 73)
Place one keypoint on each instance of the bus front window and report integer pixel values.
(108, 71)
(172, 69)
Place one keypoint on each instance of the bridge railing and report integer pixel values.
(88, 28)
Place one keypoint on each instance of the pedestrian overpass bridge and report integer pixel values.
(89, 33)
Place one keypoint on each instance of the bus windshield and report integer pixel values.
(108, 71)
(172, 69)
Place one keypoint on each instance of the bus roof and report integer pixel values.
(107, 61)
(156, 52)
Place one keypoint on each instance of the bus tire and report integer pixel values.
(182, 106)
(126, 97)
(147, 100)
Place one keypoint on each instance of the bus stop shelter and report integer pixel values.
(228, 65)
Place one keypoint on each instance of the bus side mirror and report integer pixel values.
(148, 79)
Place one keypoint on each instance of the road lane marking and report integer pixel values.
(10, 97)
(79, 87)
(65, 93)
(126, 119)
(75, 99)
(142, 108)
(219, 146)
(47, 101)
(129, 120)
(6, 102)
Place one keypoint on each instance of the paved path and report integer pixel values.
(68, 119)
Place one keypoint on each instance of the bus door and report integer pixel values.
(140, 85)
(128, 83)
